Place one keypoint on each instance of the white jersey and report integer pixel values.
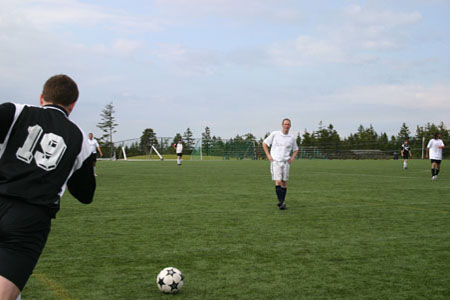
(435, 151)
(93, 144)
(180, 148)
(282, 145)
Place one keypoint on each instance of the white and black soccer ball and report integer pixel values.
(170, 280)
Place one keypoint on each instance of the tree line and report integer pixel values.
(325, 138)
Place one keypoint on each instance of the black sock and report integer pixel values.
(433, 172)
(283, 191)
(437, 171)
(279, 192)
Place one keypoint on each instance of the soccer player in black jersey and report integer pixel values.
(41, 152)
(406, 153)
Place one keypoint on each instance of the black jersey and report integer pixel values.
(405, 147)
(42, 151)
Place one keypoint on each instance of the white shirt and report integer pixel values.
(93, 144)
(433, 146)
(179, 148)
(282, 145)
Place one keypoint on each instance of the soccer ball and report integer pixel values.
(170, 280)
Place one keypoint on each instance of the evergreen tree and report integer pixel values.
(148, 138)
(206, 140)
(404, 133)
(188, 139)
(107, 125)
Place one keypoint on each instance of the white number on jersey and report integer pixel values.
(53, 146)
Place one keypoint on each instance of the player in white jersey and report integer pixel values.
(94, 146)
(434, 152)
(283, 151)
(179, 150)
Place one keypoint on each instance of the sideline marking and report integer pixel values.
(58, 290)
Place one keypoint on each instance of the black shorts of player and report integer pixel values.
(405, 155)
(180, 155)
(436, 161)
(24, 229)
(94, 157)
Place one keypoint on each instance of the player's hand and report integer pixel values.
(290, 160)
(269, 157)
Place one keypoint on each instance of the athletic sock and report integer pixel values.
(437, 171)
(279, 192)
(283, 193)
(433, 172)
(95, 171)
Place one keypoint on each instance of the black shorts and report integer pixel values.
(436, 161)
(405, 155)
(24, 229)
(94, 157)
(180, 154)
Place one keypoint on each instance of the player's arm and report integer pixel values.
(100, 151)
(7, 111)
(266, 150)
(82, 182)
(293, 157)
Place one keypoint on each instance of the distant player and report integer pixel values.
(406, 153)
(94, 147)
(281, 144)
(434, 152)
(41, 153)
(179, 150)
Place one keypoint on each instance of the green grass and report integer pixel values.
(353, 230)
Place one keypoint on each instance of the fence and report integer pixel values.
(234, 149)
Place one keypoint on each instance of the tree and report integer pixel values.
(206, 140)
(108, 125)
(188, 139)
(404, 133)
(148, 138)
(308, 139)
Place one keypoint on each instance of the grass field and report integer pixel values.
(353, 230)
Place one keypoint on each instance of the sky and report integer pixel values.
(234, 66)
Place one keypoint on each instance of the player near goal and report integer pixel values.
(41, 152)
(179, 150)
(94, 147)
(283, 151)
(434, 152)
(406, 153)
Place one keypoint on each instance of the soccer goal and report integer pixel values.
(223, 150)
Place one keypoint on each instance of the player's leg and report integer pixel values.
(285, 178)
(8, 290)
(94, 163)
(438, 167)
(276, 171)
(433, 169)
(24, 230)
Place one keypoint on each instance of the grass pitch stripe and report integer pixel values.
(58, 290)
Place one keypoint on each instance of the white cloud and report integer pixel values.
(269, 11)
(44, 14)
(411, 96)
(304, 50)
(355, 36)
(186, 61)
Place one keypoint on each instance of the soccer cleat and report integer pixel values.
(434, 177)
(283, 206)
